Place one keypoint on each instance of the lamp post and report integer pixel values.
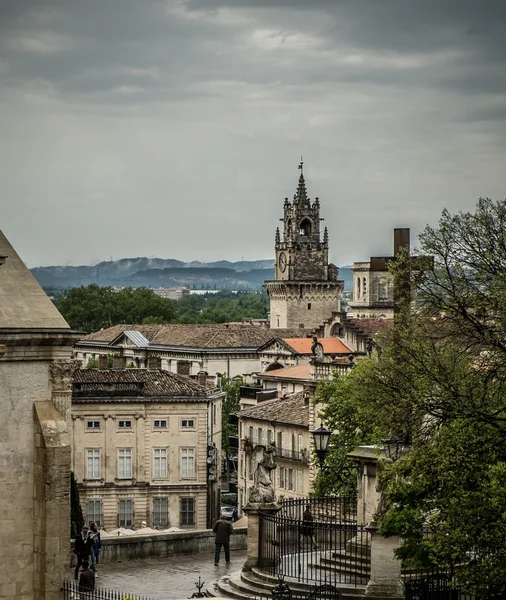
(321, 438)
(393, 447)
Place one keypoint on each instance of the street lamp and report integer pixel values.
(393, 447)
(321, 438)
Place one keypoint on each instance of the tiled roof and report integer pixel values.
(291, 409)
(368, 326)
(297, 372)
(330, 345)
(135, 382)
(199, 336)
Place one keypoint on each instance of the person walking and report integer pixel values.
(87, 578)
(95, 547)
(307, 527)
(82, 549)
(222, 529)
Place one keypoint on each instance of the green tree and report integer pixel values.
(440, 383)
(76, 513)
(342, 415)
(92, 307)
(230, 406)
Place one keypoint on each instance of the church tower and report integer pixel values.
(305, 290)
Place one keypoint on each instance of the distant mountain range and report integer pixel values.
(167, 272)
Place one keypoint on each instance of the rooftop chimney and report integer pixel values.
(202, 378)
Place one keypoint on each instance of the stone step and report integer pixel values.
(264, 579)
(222, 589)
(243, 587)
(342, 566)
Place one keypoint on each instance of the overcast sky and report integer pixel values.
(174, 128)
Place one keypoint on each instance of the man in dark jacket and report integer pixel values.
(82, 548)
(86, 579)
(222, 528)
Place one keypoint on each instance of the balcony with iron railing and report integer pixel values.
(248, 443)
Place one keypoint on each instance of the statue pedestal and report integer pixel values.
(252, 510)
(385, 582)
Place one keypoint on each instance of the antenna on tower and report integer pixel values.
(301, 165)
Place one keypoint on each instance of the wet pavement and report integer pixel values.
(169, 578)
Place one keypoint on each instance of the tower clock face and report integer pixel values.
(282, 262)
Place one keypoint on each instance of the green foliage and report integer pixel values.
(230, 406)
(91, 308)
(440, 382)
(76, 514)
(342, 401)
(222, 307)
(93, 363)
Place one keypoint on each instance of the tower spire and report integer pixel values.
(301, 193)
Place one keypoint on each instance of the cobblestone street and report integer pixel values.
(168, 578)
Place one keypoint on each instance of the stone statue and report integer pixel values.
(317, 350)
(263, 462)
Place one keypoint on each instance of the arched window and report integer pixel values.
(364, 287)
(306, 227)
(358, 288)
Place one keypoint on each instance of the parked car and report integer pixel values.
(229, 512)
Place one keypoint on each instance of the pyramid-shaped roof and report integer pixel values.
(23, 303)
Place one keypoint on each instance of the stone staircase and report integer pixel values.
(248, 585)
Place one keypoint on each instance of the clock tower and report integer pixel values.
(305, 290)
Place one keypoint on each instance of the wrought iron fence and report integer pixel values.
(434, 587)
(328, 549)
(71, 591)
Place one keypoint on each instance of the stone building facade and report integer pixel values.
(188, 350)
(35, 450)
(141, 443)
(373, 290)
(284, 421)
(305, 290)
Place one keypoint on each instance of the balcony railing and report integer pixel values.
(298, 455)
(327, 371)
(247, 444)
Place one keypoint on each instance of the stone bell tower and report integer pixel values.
(305, 290)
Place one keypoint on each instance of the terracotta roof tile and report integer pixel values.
(368, 326)
(330, 345)
(291, 409)
(297, 372)
(157, 383)
(199, 336)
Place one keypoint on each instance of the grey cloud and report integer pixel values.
(184, 121)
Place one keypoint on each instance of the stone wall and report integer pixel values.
(169, 544)
(294, 304)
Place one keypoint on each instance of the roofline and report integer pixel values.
(140, 399)
(274, 421)
(288, 378)
(215, 350)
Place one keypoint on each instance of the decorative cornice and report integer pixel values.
(62, 372)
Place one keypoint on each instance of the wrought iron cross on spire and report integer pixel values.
(301, 165)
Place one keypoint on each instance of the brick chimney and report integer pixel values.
(202, 378)
(103, 362)
(154, 362)
(119, 362)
